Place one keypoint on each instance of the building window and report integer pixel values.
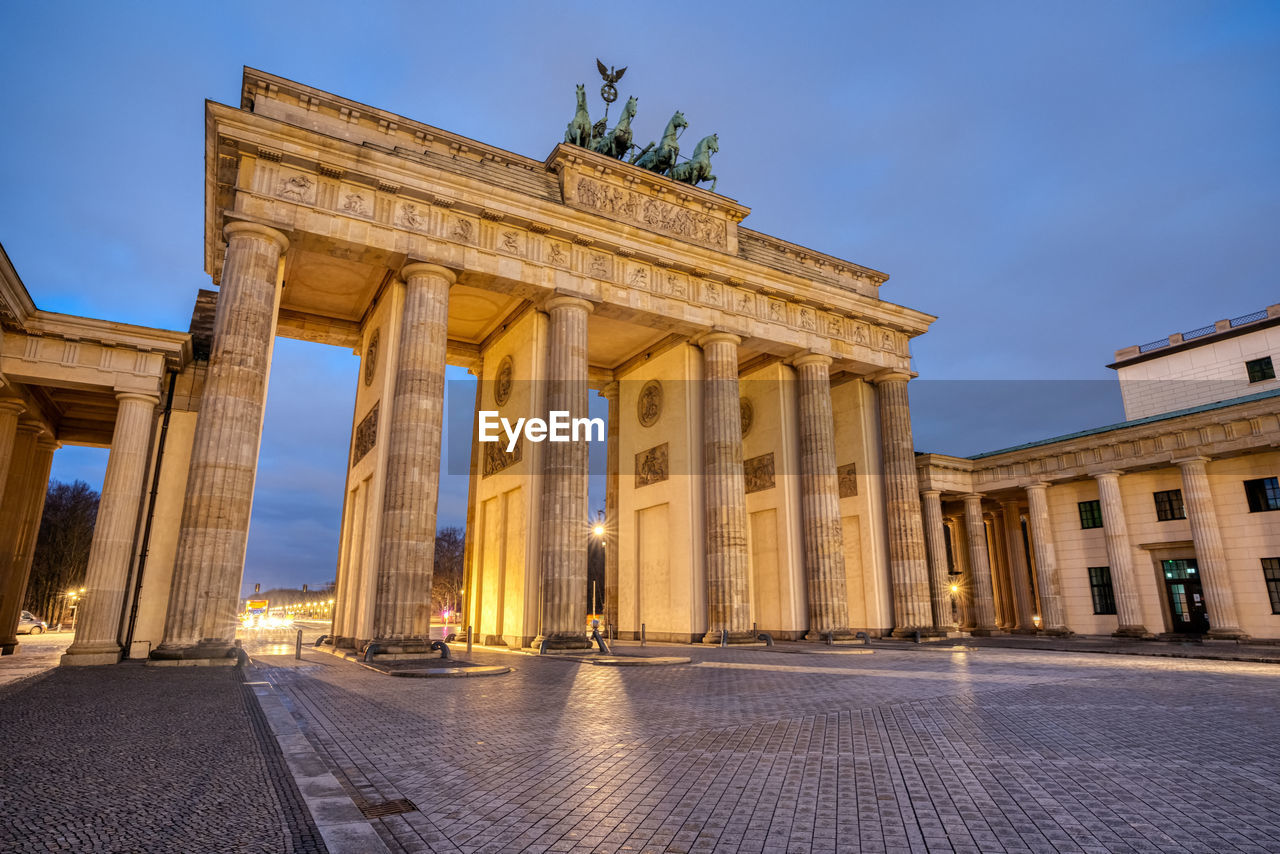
(1169, 505)
(1090, 514)
(1260, 369)
(1104, 598)
(1263, 494)
(1271, 573)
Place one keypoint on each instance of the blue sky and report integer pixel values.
(1054, 180)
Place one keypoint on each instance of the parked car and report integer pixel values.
(30, 624)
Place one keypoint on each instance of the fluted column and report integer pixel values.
(407, 533)
(1052, 619)
(1001, 597)
(25, 489)
(909, 567)
(564, 482)
(960, 554)
(820, 501)
(1119, 554)
(728, 563)
(1211, 557)
(936, 541)
(1023, 611)
(205, 594)
(984, 610)
(10, 410)
(611, 556)
(97, 639)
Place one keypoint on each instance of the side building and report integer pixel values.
(1165, 524)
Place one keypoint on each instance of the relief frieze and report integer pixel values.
(758, 473)
(632, 207)
(497, 458)
(652, 465)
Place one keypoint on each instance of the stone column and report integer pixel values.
(728, 563)
(935, 539)
(611, 556)
(407, 534)
(1052, 620)
(909, 567)
(820, 502)
(1001, 597)
(10, 410)
(1119, 554)
(984, 609)
(1211, 557)
(1023, 612)
(97, 639)
(563, 560)
(205, 594)
(25, 489)
(960, 554)
(470, 545)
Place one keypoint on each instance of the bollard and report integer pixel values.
(297, 650)
(468, 640)
(864, 637)
(766, 637)
(831, 638)
(442, 647)
(320, 640)
(642, 634)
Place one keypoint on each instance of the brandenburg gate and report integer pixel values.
(761, 473)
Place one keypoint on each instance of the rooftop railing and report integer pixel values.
(1272, 311)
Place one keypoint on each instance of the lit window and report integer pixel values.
(1263, 494)
(1260, 369)
(1104, 598)
(1090, 514)
(1271, 573)
(1169, 505)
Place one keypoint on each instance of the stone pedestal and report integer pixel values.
(1120, 556)
(25, 488)
(564, 483)
(407, 539)
(1211, 557)
(820, 503)
(97, 639)
(205, 594)
(1052, 621)
(984, 609)
(728, 562)
(909, 568)
(936, 543)
(1023, 612)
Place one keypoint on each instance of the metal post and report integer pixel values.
(297, 652)
(468, 640)
(642, 634)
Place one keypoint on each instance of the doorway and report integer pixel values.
(1186, 597)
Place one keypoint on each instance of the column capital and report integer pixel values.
(567, 301)
(1110, 473)
(422, 268)
(1039, 484)
(47, 443)
(716, 336)
(891, 376)
(122, 396)
(931, 492)
(972, 496)
(609, 391)
(1191, 461)
(231, 229)
(31, 428)
(810, 359)
(13, 406)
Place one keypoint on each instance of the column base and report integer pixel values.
(1226, 634)
(1025, 631)
(1136, 632)
(713, 638)
(561, 643)
(77, 659)
(398, 646)
(1058, 633)
(9, 648)
(986, 633)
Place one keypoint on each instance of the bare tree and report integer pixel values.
(447, 575)
(62, 548)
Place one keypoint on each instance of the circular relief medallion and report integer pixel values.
(371, 358)
(746, 414)
(502, 382)
(649, 406)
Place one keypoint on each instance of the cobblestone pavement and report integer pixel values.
(143, 759)
(916, 749)
(36, 654)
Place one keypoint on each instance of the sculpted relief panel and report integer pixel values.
(647, 212)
